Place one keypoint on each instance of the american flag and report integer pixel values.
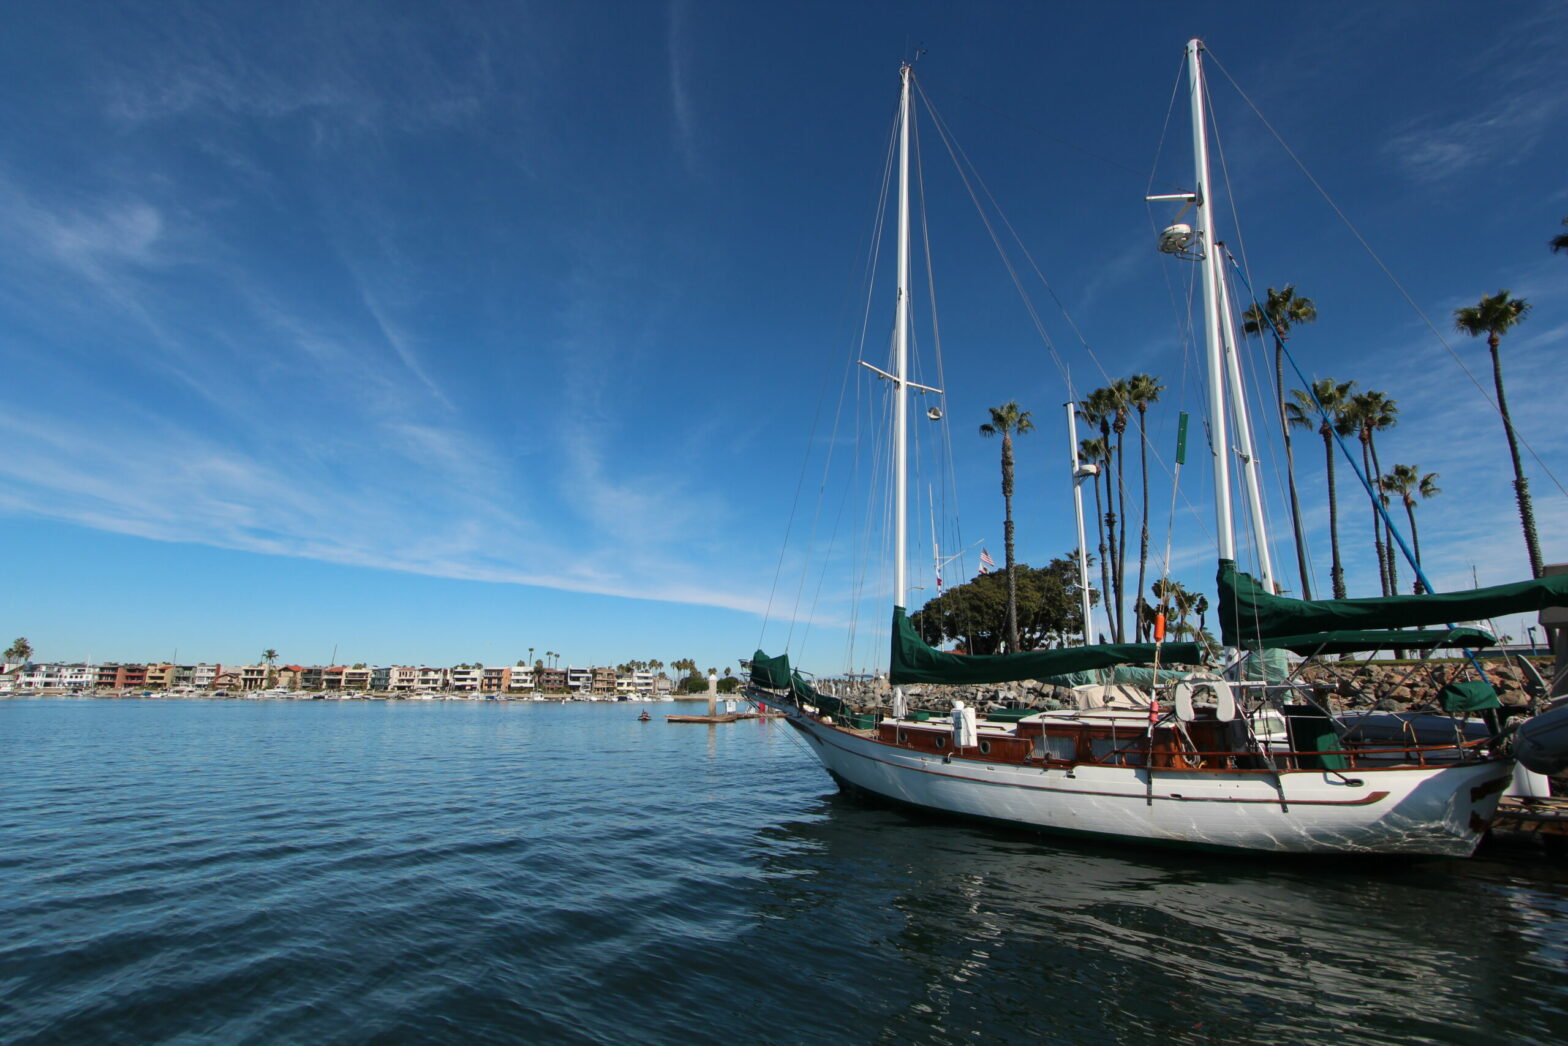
(987, 564)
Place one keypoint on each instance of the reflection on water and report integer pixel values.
(998, 933)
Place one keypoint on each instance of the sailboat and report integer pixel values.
(1214, 759)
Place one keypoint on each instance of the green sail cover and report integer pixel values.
(1249, 613)
(915, 662)
(771, 672)
(1346, 642)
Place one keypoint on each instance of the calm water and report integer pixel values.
(193, 871)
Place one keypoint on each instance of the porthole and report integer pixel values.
(985, 748)
(903, 738)
(941, 742)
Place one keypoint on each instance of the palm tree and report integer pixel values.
(1282, 310)
(1304, 413)
(1408, 483)
(1494, 317)
(1560, 241)
(1102, 407)
(1118, 392)
(1142, 390)
(21, 650)
(1005, 421)
(1366, 414)
(1094, 451)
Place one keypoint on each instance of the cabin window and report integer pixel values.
(985, 748)
(941, 742)
(1061, 749)
(903, 738)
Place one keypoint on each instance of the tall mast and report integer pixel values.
(900, 368)
(1243, 423)
(1213, 329)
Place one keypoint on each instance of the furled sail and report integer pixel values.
(913, 661)
(1248, 613)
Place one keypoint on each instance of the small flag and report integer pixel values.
(987, 564)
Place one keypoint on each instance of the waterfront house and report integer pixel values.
(520, 677)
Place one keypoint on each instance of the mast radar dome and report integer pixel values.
(1175, 239)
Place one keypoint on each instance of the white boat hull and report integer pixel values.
(1440, 811)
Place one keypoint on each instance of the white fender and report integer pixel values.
(1184, 710)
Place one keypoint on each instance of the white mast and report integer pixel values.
(900, 368)
(1238, 407)
(1080, 473)
(1213, 329)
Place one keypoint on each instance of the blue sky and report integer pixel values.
(440, 334)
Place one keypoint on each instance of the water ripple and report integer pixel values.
(179, 871)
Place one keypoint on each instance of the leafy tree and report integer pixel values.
(1408, 483)
(1007, 420)
(1494, 317)
(1281, 311)
(1303, 413)
(1142, 390)
(728, 685)
(21, 650)
(975, 613)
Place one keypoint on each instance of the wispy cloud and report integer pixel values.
(681, 105)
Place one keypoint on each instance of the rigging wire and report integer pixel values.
(1384, 267)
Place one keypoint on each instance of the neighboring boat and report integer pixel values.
(1206, 760)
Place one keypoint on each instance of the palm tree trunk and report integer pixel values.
(1384, 525)
(1105, 562)
(1121, 540)
(1415, 539)
(1377, 520)
(1337, 572)
(1012, 578)
(1290, 470)
(1521, 485)
(1143, 538)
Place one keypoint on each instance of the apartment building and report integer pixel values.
(402, 679)
(358, 679)
(464, 680)
(432, 678)
(552, 680)
(520, 677)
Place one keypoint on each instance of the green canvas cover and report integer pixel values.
(1355, 642)
(1248, 612)
(771, 672)
(1116, 675)
(914, 662)
(1472, 696)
